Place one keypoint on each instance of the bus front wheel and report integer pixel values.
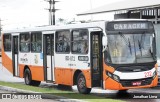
(81, 84)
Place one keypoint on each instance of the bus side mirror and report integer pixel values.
(104, 42)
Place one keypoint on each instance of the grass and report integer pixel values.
(53, 91)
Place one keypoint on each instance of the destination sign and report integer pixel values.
(130, 26)
(115, 26)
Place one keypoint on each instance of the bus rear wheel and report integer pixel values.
(81, 84)
(28, 78)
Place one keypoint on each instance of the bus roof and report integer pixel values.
(53, 27)
(69, 26)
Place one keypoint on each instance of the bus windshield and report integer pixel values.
(131, 48)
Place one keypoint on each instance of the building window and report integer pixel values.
(7, 42)
(80, 41)
(24, 42)
(36, 41)
(63, 41)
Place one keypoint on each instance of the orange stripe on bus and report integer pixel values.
(37, 72)
(6, 61)
(108, 68)
(87, 75)
(65, 76)
(21, 70)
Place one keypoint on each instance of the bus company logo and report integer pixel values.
(6, 96)
(24, 59)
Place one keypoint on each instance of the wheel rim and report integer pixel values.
(27, 79)
(81, 83)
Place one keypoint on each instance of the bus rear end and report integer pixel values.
(129, 55)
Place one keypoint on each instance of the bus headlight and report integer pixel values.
(116, 78)
(113, 76)
(154, 74)
(109, 74)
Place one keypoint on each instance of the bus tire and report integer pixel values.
(81, 84)
(27, 77)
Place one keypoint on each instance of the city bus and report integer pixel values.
(115, 55)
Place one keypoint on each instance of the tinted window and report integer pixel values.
(80, 41)
(63, 41)
(24, 42)
(36, 41)
(7, 42)
(50, 44)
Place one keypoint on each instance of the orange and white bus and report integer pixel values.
(116, 55)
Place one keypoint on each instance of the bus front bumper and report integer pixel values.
(110, 83)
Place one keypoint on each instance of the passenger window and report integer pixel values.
(63, 41)
(36, 41)
(50, 44)
(80, 41)
(24, 42)
(7, 42)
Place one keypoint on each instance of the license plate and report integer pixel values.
(138, 83)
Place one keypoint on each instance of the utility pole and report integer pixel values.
(91, 9)
(52, 11)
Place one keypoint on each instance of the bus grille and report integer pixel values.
(128, 83)
(134, 68)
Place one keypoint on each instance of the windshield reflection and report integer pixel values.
(130, 48)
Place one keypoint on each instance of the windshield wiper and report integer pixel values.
(127, 42)
(141, 42)
(140, 48)
(129, 46)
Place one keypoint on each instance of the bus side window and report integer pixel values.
(7, 42)
(36, 41)
(63, 41)
(80, 41)
(24, 42)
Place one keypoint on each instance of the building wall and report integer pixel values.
(127, 15)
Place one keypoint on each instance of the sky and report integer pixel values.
(17, 14)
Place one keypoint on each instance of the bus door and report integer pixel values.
(48, 53)
(15, 56)
(96, 59)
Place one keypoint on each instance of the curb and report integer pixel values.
(44, 95)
